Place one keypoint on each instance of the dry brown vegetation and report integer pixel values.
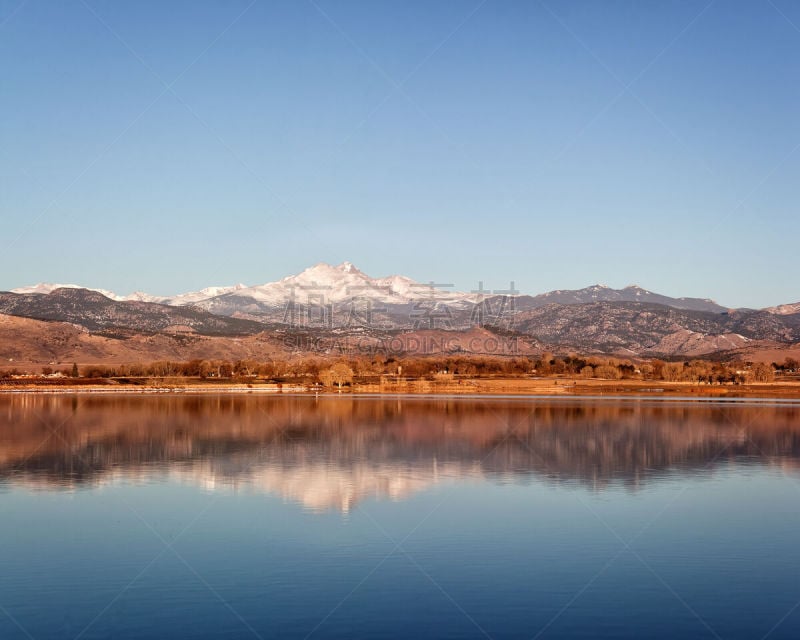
(444, 374)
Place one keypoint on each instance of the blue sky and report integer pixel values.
(169, 146)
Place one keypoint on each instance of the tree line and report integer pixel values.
(344, 370)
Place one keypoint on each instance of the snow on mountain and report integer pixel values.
(141, 296)
(179, 300)
(595, 317)
(194, 297)
(784, 309)
(321, 284)
(48, 287)
(325, 283)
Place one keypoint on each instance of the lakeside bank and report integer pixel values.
(462, 386)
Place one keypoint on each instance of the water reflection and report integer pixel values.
(332, 452)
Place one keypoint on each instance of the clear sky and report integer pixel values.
(167, 146)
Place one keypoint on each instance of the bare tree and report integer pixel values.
(763, 372)
(339, 375)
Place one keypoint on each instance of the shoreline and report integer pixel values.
(474, 387)
(660, 399)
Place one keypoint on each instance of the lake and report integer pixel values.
(223, 516)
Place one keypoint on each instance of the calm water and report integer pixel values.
(292, 517)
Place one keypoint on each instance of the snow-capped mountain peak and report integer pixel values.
(324, 273)
(329, 283)
(636, 290)
(193, 297)
(785, 309)
(324, 284)
(141, 296)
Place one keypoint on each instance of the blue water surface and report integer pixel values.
(349, 518)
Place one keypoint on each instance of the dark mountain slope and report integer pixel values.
(640, 327)
(100, 314)
(601, 293)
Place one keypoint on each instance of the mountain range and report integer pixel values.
(341, 300)
(329, 284)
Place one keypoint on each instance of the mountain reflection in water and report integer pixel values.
(332, 452)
